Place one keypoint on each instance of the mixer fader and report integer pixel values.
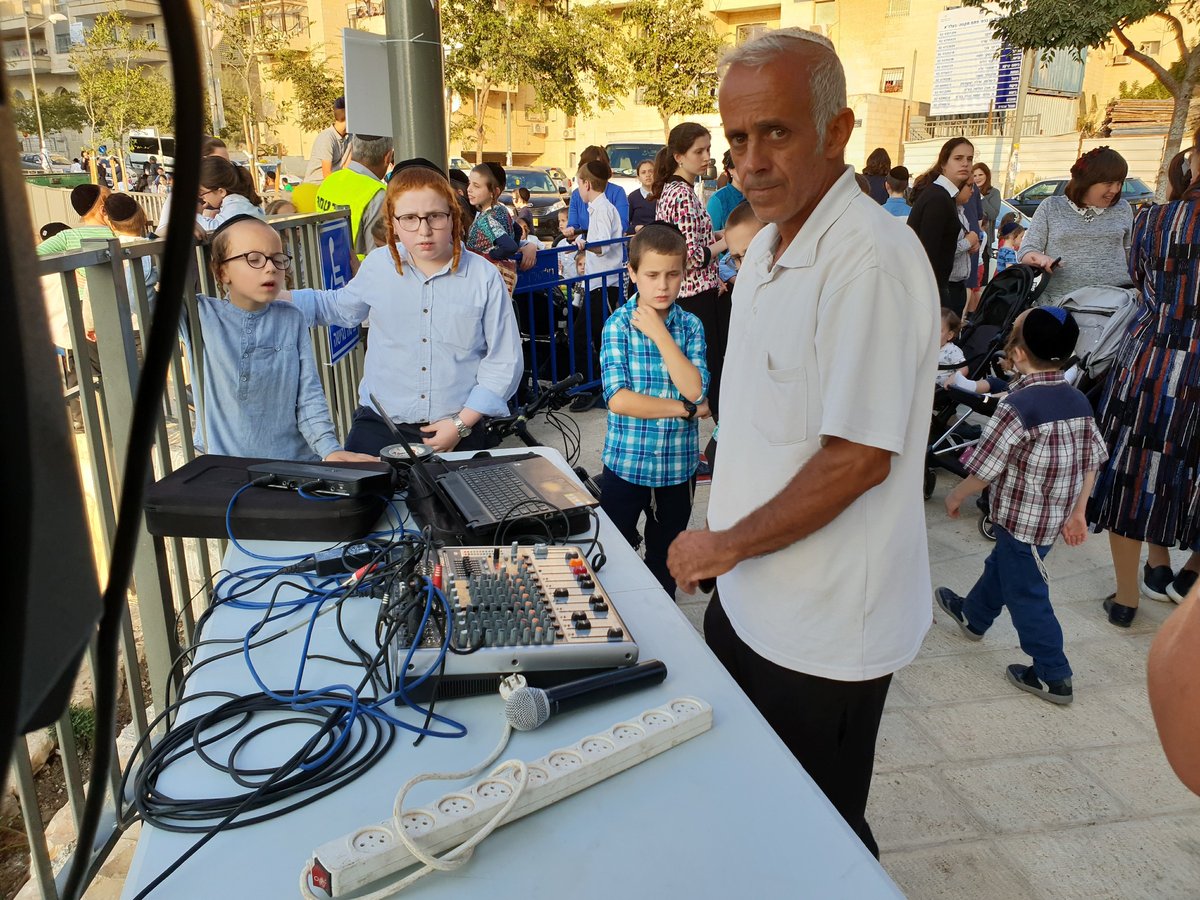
(523, 609)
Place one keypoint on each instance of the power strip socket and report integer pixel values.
(369, 854)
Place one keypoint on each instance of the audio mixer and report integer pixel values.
(520, 609)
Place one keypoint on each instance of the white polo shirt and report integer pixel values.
(838, 338)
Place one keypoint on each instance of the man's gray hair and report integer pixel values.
(369, 149)
(827, 87)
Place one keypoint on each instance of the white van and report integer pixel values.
(147, 142)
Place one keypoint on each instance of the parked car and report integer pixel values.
(559, 177)
(545, 197)
(1134, 190)
(58, 162)
(625, 158)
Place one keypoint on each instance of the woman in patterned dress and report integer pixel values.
(1150, 414)
(685, 158)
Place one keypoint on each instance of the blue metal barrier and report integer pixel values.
(561, 316)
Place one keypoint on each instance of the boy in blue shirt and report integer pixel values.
(652, 362)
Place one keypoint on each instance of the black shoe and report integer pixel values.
(1026, 679)
(1156, 580)
(1184, 581)
(952, 604)
(1118, 613)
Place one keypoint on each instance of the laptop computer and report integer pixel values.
(531, 488)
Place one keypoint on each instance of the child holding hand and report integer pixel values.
(652, 362)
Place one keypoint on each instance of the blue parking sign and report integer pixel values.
(334, 240)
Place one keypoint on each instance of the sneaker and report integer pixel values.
(704, 471)
(1156, 580)
(1183, 583)
(1026, 679)
(952, 605)
(1118, 613)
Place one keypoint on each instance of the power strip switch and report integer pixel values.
(373, 853)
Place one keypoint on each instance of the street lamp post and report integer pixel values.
(37, 105)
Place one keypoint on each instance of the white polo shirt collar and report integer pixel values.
(802, 251)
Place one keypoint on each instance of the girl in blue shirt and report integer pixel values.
(260, 396)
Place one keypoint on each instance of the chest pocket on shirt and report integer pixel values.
(780, 408)
(458, 323)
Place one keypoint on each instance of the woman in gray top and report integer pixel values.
(1088, 228)
(989, 196)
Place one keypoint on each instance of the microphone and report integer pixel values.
(528, 707)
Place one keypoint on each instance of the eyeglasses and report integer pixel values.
(411, 221)
(256, 260)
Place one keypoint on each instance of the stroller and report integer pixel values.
(1104, 315)
(981, 340)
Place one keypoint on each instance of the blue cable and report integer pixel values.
(234, 541)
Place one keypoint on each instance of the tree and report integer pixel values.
(1077, 24)
(315, 86)
(248, 34)
(562, 56)
(60, 112)
(117, 91)
(673, 51)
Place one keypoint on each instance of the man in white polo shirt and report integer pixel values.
(817, 520)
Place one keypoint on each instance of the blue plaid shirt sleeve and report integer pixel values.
(696, 351)
(614, 357)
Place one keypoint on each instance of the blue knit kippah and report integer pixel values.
(1058, 312)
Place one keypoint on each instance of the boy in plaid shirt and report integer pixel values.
(652, 362)
(1039, 452)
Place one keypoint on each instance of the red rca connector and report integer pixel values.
(437, 576)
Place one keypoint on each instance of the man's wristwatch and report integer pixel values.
(690, 408)
(463, 428)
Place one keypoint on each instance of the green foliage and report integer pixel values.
(1066, 24)
(1152, 91)
(249, 34)
(315, 86)
(564, 58)
(118, 92)
(60, 112)
(83, 727)
(673, 52)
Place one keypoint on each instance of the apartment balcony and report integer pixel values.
(133, 9)
(283, 16)
(365, 15)
(17, 58)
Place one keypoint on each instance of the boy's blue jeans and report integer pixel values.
(1013, 576)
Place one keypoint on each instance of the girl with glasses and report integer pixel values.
(445, 350)
(261, 396)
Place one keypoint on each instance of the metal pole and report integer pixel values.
(508, 127)
(37, 106)
(414, 51)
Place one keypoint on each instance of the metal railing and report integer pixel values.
(561, 315)
(107, 303)
(921, 128)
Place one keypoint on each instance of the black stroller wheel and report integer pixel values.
(930, 482)
(986, 528)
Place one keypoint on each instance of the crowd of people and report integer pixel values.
(823, 358)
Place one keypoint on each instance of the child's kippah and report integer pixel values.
(1008, 228)
(1050, 333)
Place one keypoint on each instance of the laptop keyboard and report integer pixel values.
(503, 494)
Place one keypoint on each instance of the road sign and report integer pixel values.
(972, 70)
(334, 241)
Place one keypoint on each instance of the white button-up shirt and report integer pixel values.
(438, 343)
(839, 338)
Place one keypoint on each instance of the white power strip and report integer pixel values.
(369, 854)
